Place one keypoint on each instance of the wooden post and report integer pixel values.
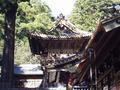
(91, 58)
(95, 77)
(45, 71)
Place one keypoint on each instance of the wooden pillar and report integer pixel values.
(108, 81)
(45, 71)
(95, 77)
(102, 86)
(91, 58)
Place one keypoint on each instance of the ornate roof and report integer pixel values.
(56, 44)
(69, 40)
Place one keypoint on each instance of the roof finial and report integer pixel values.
(61, 16)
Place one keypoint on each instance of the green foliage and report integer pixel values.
(1, 26)
(87, 13)
(6, 5)
(116, 1)
(23, 54)
(1, 34)
(33, 16)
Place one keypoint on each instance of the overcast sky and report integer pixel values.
(60, 6)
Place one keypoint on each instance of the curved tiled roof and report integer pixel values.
(64, 43)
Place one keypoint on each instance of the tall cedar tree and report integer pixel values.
(9, 9)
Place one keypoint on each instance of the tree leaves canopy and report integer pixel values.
(35, 15)
(87, 13)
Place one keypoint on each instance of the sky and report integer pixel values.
(60, 6)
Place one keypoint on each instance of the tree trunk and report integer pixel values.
(9, 43)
